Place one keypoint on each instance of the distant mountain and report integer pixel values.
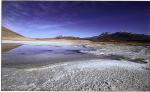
(121, 37)
(8, 34)
(67, 37)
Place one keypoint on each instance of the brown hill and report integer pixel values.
(7, 34)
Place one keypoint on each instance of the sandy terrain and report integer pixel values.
(50, 42)
(118, 67)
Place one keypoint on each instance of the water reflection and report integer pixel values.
(9, 46)
(31, 56)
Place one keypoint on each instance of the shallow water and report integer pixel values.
(32, 56)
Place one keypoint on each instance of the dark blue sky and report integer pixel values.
(76, 18)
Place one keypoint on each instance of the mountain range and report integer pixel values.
(121, 37)
(8, 34)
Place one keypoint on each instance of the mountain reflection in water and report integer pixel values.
(31, 56)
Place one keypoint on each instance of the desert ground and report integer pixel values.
(74, 65)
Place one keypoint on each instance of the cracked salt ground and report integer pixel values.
(81, 75)
(124, 50)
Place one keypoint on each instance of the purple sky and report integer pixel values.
(77, 18)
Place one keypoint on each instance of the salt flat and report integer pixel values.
(107, 67)
(81, 75)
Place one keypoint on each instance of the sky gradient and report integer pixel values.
(46, 19)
